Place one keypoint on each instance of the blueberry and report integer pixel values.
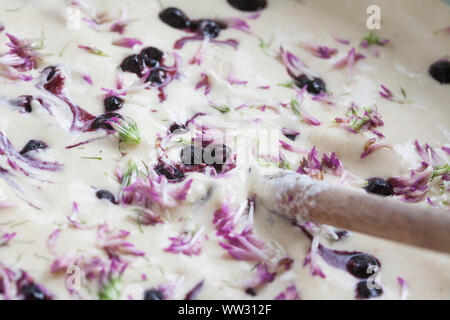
(173, 174)
(251, 291)
(175, 18)
(32, 292)
(25, 102)
(33, 145)
(99, 122)
(152, 56)
(177, 127)
(107, 195)
(314, 86)
(379, 186)
(290, 134)
(248, 5)
(152, 63)
(55, 81)
(153, 294)
(301, 81)
(342, 234)
(157, 76)
(191, 155)
(359, 265)
(364, 292)
(440, 71)
(51, 73)
(113, 103)
(133, 64)
(207, 28)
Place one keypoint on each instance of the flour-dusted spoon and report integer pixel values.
(298, 196)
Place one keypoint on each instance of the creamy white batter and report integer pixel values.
(403, 62)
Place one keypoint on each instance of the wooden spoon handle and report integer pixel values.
(298, 196)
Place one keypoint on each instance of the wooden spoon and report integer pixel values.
(298, 196)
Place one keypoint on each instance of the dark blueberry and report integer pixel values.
(157, 76)
(152, 63)
(32, 292)
(379, 186)
(440, 71)
(51, 73)
(364, 292)
(317, 86)
(175, 18)
(133, 64)
(290, 134)
(152, 56)
(251, 292)
(248, 5)
(153, 294)
(207, 28)
(216, 155)
(314, 86)
(191, 155)
(99, 122)
(113, 103)
(55, 81)
(173, 174)
(342, 234)
(25, 102)
(107, 195)
(33, 145)
(301, 81)
(362, 265)
(177, 127)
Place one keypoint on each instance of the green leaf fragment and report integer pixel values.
(264, 163)
(358, 124)
(294, 106)
(372, 38)
(18, 8)
(289, 84)
(403, 92)
(63, 49)
(95, 51)
(440, 170)
(111, 290)
(265, 46)
(128, 131)
(131, 172)
(221, 108)
(284, 163)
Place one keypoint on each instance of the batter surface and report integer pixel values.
(98, 199)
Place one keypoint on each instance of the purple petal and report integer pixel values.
(127, 42)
